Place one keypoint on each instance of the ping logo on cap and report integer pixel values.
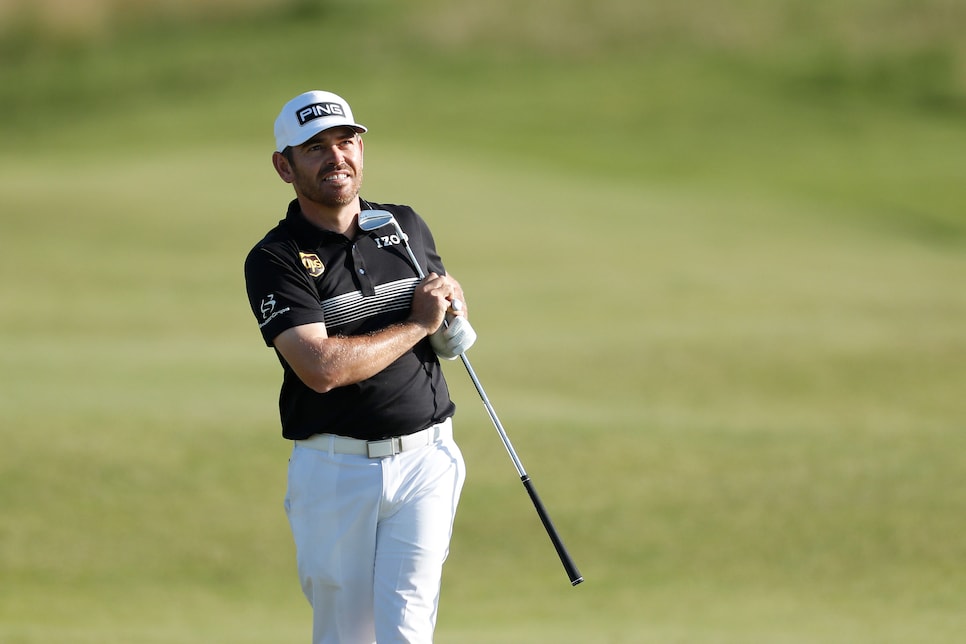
(317, 111)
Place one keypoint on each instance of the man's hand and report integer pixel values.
(439, 298)
(454, 339)
(431, 300)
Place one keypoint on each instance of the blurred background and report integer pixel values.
(714, 253)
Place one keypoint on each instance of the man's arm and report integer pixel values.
(324, 363)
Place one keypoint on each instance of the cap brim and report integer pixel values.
(322, 127)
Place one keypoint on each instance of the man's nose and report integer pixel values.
(336, 156)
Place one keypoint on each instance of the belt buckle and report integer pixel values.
(384, 448)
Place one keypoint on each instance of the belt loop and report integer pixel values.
(331, 445)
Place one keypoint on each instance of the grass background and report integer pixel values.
(715, 255)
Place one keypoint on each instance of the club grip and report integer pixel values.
(565, 559)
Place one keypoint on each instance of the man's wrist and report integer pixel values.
(423, 332)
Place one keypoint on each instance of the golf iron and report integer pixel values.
(371, 220)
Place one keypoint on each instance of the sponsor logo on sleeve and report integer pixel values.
(268, 309)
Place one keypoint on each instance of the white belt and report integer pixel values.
(382, 448)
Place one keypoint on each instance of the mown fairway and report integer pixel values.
(716, 260)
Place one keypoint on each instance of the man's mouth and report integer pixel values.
(336, 178)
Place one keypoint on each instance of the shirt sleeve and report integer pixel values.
(280, 293)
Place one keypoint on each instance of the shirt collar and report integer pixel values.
(306, 233)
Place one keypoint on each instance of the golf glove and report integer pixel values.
(449, 342)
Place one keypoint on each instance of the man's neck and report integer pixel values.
(341, 219)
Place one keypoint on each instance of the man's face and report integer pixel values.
(327, 169)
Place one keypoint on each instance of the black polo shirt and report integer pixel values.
(299, 274)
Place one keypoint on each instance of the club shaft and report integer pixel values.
(494, 418)
(412, 257)
(568, 563)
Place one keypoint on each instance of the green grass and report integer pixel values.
(720, 310)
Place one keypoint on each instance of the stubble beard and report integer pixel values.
(315, 189)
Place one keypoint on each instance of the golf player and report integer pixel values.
(374, 476)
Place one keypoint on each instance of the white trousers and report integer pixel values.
(371, 536)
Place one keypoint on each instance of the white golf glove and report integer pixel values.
(449, 342)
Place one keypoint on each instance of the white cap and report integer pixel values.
(308, 114)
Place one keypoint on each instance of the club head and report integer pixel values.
(372, 219)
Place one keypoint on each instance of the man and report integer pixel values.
(375, 476)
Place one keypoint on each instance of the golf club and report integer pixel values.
(372, 219)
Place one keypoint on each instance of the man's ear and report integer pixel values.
(283, 167)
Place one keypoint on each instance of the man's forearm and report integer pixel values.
(346, 360)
